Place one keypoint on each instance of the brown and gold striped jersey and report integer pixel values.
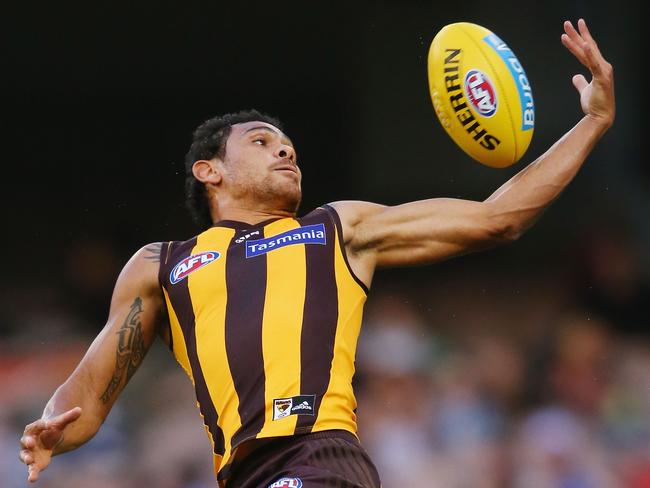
(265, 319)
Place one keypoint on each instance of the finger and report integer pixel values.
(35, 427)
(579, 82)
(28, 442)
(65, 418)
(593, 61)
(26, 456)
(571, 32)
(586, 35)
(32, 471)
(574, 48)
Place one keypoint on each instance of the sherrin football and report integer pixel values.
(481, 94)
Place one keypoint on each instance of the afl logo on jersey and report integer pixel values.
(190, 264)
(480, 91)
(287, 483)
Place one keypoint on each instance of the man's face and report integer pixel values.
(260, 167)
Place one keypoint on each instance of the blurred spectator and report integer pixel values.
(560, 444)
(556, 448)
(395, 352)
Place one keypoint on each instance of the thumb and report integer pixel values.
(579, 82)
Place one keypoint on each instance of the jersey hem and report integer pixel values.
(226, 470)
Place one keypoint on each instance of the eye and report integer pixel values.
(259, 141)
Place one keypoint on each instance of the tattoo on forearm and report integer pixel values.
(153, 252)
(130, 350)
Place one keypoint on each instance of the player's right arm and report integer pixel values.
(80, 405)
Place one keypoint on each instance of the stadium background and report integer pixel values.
(523, 366)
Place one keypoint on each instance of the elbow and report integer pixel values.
(503, 226)
(505, 233)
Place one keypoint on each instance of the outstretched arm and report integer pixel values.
(80, 405)
(432, 230)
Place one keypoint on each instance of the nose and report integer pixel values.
(286, 151)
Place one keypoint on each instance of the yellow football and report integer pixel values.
(481, 94)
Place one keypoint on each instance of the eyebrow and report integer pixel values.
(268, 129)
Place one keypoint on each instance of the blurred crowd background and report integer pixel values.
(526, 366)
(470, 376)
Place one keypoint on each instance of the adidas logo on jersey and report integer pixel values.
(302, 406)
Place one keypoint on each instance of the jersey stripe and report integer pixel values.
(246, 288)
(180, 295)
(207, 286)
(339, 404)
(177, 340)
(319, 320)
(284, 303)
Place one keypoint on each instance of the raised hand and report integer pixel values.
(41, 438)
(597, 96)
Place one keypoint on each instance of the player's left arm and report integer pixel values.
(432, 230)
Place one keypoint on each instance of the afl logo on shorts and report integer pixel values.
(480, 91)
(190, 264)
(287, 483)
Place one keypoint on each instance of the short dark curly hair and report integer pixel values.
(209, 140)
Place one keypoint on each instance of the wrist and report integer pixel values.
(600, 123)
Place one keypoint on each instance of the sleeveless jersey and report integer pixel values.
(264, 320)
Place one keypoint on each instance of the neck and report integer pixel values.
(241, 214)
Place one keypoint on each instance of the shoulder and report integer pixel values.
(149, 253)
(144, 265)
(353, 213)
(355, 209)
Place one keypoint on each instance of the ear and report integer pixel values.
(206, 171)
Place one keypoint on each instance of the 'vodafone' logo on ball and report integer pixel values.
(480, 91)
(190, 264)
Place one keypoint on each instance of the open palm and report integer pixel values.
(41, 438)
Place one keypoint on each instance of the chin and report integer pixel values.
(282, 197)
(289, 198)
(293, 203)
